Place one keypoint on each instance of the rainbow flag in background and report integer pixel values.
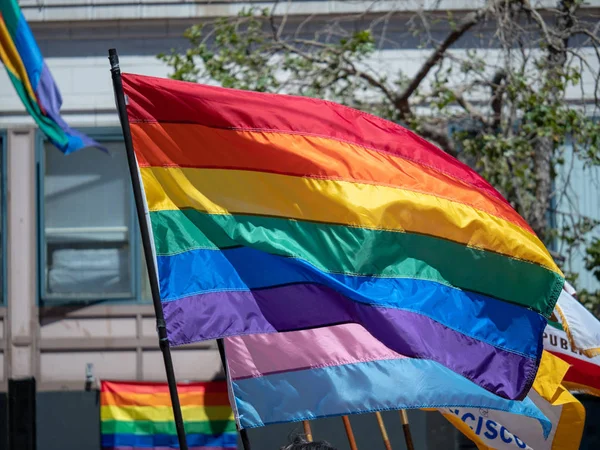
(33, 81)
(274, 213)
(138, 416)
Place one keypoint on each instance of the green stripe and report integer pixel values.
(48, 126)
(11, 13)
(359, 251)
(147, 427)
(556, 325)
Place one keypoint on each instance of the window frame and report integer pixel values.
(101, 135)
(3, 217)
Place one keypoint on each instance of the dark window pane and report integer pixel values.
(88, 224)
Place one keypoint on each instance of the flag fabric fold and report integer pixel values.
(274, 213)
(139, 416)
(340, 370)
(501, 430)
(33, 81)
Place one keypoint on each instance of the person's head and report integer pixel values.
(299, 443)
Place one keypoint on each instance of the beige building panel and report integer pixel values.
(2, 329)
(70, 366)
(149, 327)
(90, 328)
(1, 366)
(190, 365)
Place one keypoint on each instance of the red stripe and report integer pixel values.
(154, 388)
(581, 372)
(162, 100)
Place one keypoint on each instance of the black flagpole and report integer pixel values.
(243, 432)
(148, 253)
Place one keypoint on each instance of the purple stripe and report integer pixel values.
(297, 306)
(50, 101)
(49, 97)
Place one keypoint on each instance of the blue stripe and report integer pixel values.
(29, 52)
(384, 385)
(498, 323)
(167, 440)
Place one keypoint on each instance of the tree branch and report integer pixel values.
(438, 135)
(469, 107)
(538, 19)
(466, 24)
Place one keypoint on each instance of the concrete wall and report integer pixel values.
(55, 344)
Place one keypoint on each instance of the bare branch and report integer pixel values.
(580, 30)
(278, 29)
(474, 112)
(538, 19)
(352, 70)
(438, 135)
(466, 24)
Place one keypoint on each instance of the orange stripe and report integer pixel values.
(163, 399)
(197, 146)
(157, 388)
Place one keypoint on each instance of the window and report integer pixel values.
(90, 238)
(2, 217)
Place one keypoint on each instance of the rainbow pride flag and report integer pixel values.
(138, 416)
(33, 81)
(274, 213)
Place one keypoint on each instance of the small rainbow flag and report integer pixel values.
(33, 81)
(136, 416)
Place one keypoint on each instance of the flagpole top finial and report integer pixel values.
(113, 57)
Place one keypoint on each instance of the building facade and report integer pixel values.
(74, 301)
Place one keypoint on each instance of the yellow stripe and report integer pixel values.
(547, 383)
(340, 202)
(165, 413)
(12, 60)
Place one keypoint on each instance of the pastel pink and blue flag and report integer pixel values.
(33, 81)
(340, 370)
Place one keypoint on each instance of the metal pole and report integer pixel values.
(406, 429)
(243, 432)
(161, 328)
